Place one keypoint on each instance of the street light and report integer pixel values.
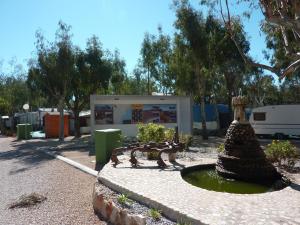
(26, 107)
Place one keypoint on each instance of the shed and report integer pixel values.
(52, 124)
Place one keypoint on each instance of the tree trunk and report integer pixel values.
(217, 115)
(203, 121)
(229, 100)
(77, 124)
(148, 81)
(229, 80)
(61, 119)
(201, 87)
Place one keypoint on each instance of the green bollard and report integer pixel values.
(105, 141)
(23, 131)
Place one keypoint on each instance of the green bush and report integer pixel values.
(158, 133)
(155, 214)
(281, 152)
(124, 200)
(151, 132)
(169, 134)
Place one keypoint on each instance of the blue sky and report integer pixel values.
(119, 24)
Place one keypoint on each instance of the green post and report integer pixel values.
(105, 141)
(23, 131)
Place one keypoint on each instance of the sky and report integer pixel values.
(119, 24)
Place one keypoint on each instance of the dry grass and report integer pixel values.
(28, 200)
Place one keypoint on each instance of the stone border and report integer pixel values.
(181, 201)
(169, 212)
(111, 212)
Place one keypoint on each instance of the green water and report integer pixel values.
(210, 180)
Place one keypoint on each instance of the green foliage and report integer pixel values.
(151, 132)
(169, 134)
(155, 214)
(158, 133)
(281, 152)
(124, 200)
(186, 139)
(221, 148)
(118, 73)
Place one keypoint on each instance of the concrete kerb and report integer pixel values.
(70, 162)
(170, 213)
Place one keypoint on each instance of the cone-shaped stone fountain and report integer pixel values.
(243, 158)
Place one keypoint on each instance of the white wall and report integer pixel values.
(184, 111)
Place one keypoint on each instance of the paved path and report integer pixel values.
(68, 190)
(165, 189)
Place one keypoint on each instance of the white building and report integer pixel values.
(125, 112)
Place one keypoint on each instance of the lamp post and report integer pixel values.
(26, 107)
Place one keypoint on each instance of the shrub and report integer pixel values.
(169, 134)
(155, 214)
(151, 132)
(281, 152)
(158, 133)
(124, 200)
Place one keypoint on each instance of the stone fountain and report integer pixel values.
(243, 158)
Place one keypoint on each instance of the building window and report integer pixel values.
(259, 116)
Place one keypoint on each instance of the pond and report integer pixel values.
(209, 179)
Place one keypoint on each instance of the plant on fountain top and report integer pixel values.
(282, 153)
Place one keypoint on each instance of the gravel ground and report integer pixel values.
(135, 208)
(68, 191)
(24, 170)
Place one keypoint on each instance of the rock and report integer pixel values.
(111, 212)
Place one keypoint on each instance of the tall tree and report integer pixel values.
(191, 27)
(283, 17)
(148, 58)
(91, 73)
(118, 72)
(163, 74)
(227, 58)
(51, 72)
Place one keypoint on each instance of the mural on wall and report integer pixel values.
(150, 113)
(135, 113)
(159, 113)
(104, 114)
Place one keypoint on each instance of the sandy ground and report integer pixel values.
(68, 190)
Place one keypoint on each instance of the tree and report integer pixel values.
(163, 74)
(91, 73)
(227, 59)
(148, 58)
(13, 90)
(51, 72)
(261, 89)
(283, 17)
(118, 73)
(192, 33)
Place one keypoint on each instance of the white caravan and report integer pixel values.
(276, 120)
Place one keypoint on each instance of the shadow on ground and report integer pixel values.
(25, 155)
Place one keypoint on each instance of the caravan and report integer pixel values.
(278, 121)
